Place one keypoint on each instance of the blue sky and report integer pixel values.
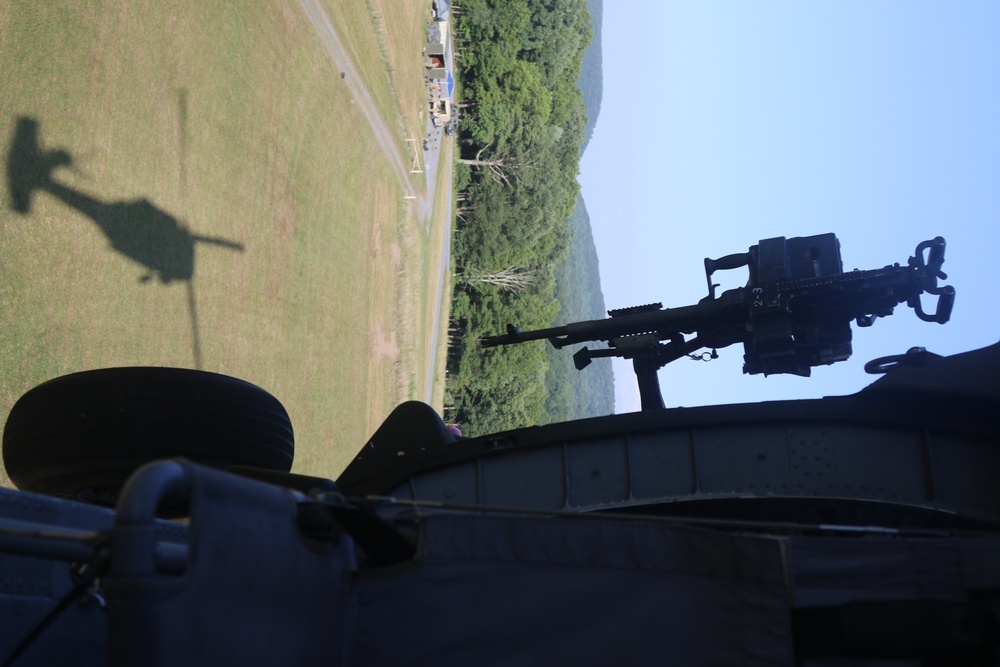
(724, 123)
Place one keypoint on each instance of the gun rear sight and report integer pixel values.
(794, 313)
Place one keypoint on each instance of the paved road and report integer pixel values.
(386, 140)
(362, 98)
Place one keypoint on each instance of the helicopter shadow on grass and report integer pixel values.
(137, 229)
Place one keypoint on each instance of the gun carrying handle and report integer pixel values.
(734, 261)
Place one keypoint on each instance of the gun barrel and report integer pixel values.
(515, 335)
(668, 321)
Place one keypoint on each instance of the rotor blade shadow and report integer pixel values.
(137, 229)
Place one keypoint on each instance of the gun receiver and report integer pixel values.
(794, 313)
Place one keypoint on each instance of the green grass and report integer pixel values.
(230, 120)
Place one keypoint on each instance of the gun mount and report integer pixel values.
(795, 312)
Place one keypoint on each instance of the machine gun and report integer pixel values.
(794, 313)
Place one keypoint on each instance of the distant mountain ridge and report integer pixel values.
(592, 73)
(576, 394)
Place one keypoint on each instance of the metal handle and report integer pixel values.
(945, 303)
(134, 537)
(935, 257)
(915, 356)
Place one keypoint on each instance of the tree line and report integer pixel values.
(520, 134)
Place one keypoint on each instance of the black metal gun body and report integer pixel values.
(794, 313)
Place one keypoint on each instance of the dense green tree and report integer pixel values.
(519, 140)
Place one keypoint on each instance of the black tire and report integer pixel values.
(82, 435)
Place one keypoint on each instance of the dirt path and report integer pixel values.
(362, 98)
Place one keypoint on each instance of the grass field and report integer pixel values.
(205, 194)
